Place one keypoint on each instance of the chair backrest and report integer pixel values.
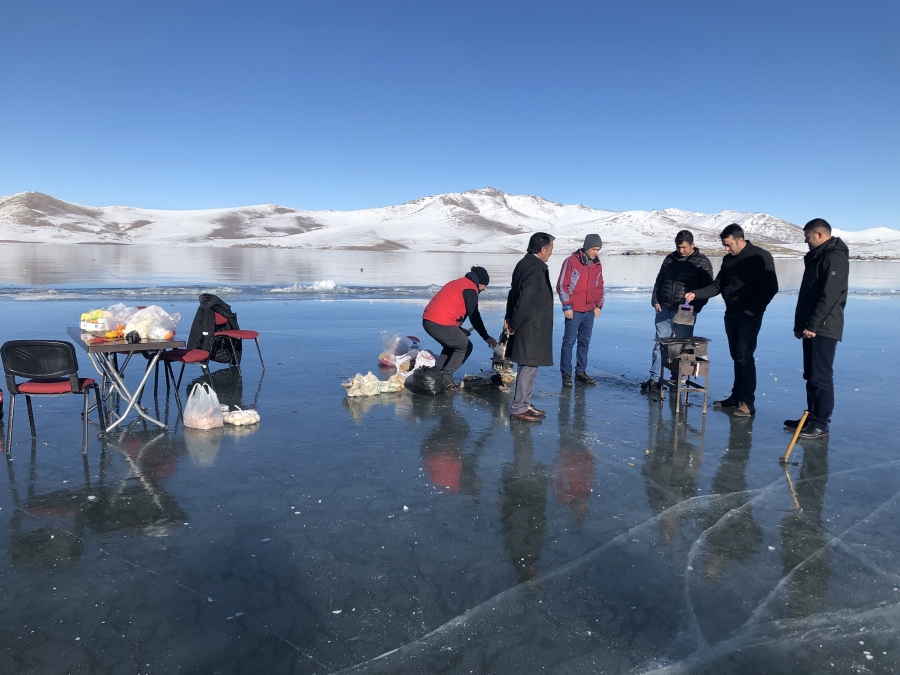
(39, 359)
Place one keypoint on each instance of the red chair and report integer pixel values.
(184, 356)
(52, 370)
(237, 334)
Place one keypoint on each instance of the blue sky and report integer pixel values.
(786, 107)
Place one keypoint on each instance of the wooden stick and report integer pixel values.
(790, 447)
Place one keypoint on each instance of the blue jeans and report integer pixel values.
(818, 371)
(664, 327)
(579, 327)
(742, 331)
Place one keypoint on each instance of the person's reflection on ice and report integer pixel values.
(734, 534)
(523, 505)
(574, 468)
(804, 540)
(671, 467)
(444, 450)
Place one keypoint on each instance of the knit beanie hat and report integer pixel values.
(482, 274)
(591, 241)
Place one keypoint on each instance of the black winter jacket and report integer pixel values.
(823, 291)
(529, 313)
(746, 281)
(678, 275)
(203, 329)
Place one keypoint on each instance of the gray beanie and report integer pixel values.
(591, 241)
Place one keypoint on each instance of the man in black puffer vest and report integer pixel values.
(819, 322)
(747, 282)
(685, 269)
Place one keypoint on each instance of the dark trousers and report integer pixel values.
(455, 343)
(742, 331)
(818, 371)
(579, 328)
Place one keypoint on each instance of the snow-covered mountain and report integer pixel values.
(487, 220)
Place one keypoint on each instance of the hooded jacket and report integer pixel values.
(747, 281)
(823, 291)
(580, 283)
(679, 275)
(203, 329)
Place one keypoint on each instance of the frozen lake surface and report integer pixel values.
(405, 534)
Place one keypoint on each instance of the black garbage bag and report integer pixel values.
(428, 381)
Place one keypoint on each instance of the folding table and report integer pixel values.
(103, 356)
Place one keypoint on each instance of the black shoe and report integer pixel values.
(650, 386)
(450, 385)
(567, 380)
(791, 424)
(585, 378)
(810, 433)
(730, 402)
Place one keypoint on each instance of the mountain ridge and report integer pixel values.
(480, 220)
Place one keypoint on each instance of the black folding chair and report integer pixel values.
(52, 370)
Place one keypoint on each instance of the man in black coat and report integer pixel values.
(819, 322)
(685, 269)
(747, 282)
(529, 323)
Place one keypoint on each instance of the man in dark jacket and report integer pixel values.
(747, 282)
(819, 322)
(685, 269)
(580, 289)
(444, 316)
(529, 322)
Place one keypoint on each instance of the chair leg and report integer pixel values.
(84, 433)
(180, 375)
(259, 351)
(205, 369)
(156, 381)
(170, 374)
(100, 412)
(30, 415)
(9, 427)
(234, 358)
(166, 369)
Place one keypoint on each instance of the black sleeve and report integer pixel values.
(768, 285)
(471, 298)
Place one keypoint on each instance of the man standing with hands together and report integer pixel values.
(819, 322)
(580, 289)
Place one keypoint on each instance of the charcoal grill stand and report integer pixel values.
(688, 360)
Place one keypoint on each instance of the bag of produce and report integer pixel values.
(203, 410)
(153, 323)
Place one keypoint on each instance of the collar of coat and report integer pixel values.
(584, 259)
(541, 262)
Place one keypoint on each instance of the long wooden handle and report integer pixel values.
(790, 447)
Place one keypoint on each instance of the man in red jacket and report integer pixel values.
(580, 289)
(444, 315)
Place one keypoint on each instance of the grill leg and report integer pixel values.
(30, 415)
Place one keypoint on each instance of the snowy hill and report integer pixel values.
(486, 220)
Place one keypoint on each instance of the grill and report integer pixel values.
(687, 359)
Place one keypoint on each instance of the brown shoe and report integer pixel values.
(743, 410)
(585, 378)
(526, 416)
(542, 413)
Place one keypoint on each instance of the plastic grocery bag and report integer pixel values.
(120, 314)
(370, 385)
(95, 321)
(202, 410)
(153, 323)
(394, 345)
(428, 381)
(240, 417)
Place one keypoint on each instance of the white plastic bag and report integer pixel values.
(394, 345)
(119, 314)
(240, 417)
(202, 410)
(153, 323)
(370, 385)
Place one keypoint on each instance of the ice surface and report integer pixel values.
(435, 536)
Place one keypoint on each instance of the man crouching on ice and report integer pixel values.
(444, 316)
